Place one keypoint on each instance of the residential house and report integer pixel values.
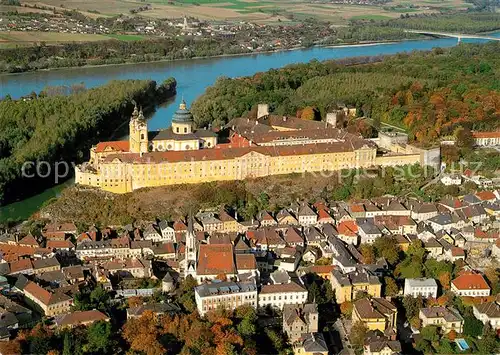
(165, 251)
(469, 284)
(488, 312)
(59, 230)
(229, 223)
(396, 208)
(211, 223)
(311, 344)
(51, 303)
(153, 233)
(450, 180)
(45, 265)
(346, 286)
(421, 287)
(300, 319)
(247, 264)
(445, 318)
(313, 236)
(311, 255)
(79, 318)
(228, 295)
(279, 295)
(167, 231)
(382, 346)
(348, 232)
(368, 231)
(129, 267)
(306, 216)
(433, 247)
(61, 247)
(293, 237)
(266, 220)
(285, 218)
(324, 217)
(375, 313)
(21, 266)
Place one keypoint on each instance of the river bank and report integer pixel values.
(340, 45)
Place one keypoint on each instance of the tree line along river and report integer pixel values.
(193, 77)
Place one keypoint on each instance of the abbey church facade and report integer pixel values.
(268, 145)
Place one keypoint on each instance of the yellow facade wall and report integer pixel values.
(122, 177)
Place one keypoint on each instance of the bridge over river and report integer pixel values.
(454, 35)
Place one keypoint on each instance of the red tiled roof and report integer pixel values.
(43, 295)
(322, 214)
(486, 195)
(321, 269)
(215, 259)
(486, 134)
(29, 240)
(179, 226)
(20, 265)
(456, 251)
(59, 244)
(348, 228)
(225, 154)
(113, 146)
(166, 248)
(81, 317)
(246, 262)
(470, 281)
(357, 208)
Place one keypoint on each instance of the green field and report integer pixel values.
(127, 37)
(370, 17)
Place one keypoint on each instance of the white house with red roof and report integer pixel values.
(470, 284)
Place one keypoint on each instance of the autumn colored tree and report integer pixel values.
(368, 253)
(444, 280)
(452, 335)
(143, 333)
(224, 332)
(346, 308)
(134, 301)
(391, 288)
(309, 113)
(11, 347)
(443, 300)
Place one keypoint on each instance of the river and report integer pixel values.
(193, 77)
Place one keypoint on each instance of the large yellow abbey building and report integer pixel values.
(270, 145)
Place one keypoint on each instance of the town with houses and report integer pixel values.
(251, 37)
(264, 263)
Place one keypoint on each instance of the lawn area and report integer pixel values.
(127, 37)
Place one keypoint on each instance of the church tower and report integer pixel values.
(191, 252)
(182, 122)
(138, 133)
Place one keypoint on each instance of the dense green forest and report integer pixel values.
(472, 22)
(53, 127)
(428, 93)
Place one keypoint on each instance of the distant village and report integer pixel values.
(250, 36)
(264, 263)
